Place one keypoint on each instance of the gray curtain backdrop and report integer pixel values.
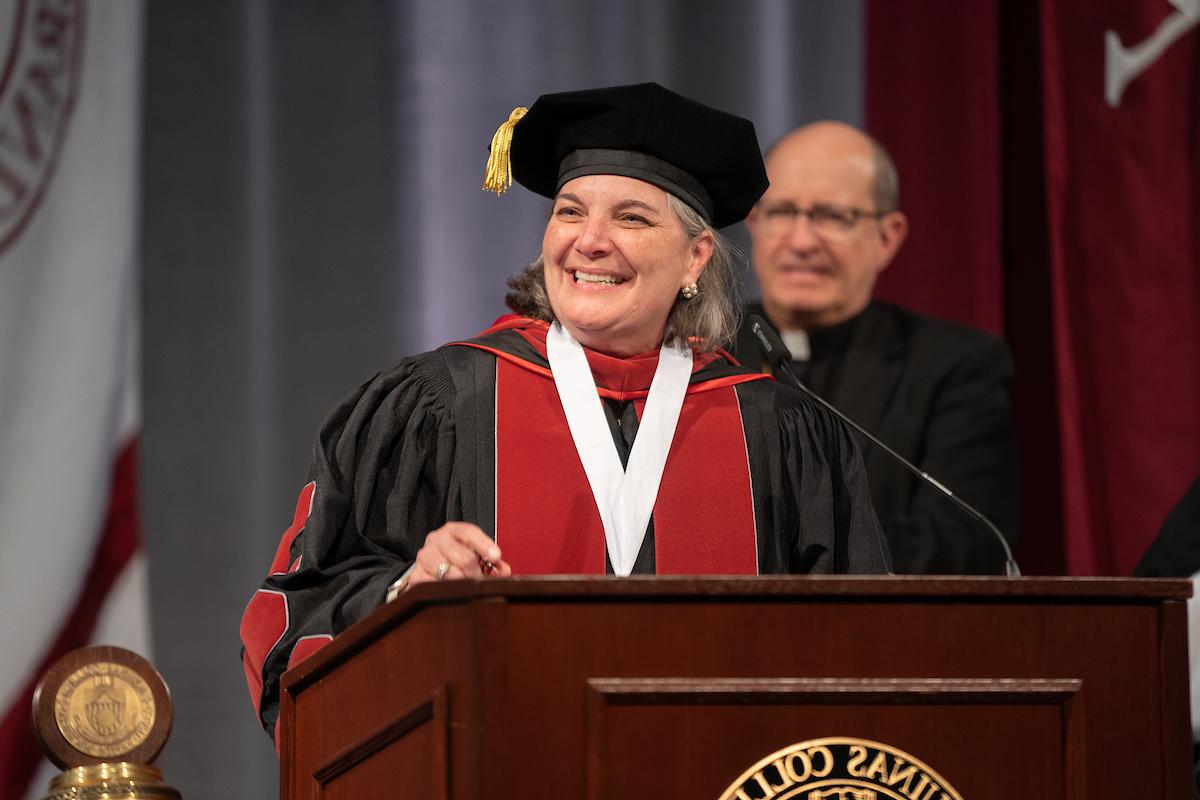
(313, 212)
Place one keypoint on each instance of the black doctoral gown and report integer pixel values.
(758, 480)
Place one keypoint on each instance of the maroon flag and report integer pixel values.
(1121, 130)
(1051, 149)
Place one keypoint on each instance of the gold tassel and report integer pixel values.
(498, 175)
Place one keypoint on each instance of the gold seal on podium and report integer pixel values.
(102, 715)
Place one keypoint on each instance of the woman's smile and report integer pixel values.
(596, 279)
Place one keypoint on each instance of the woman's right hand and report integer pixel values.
(458, 550)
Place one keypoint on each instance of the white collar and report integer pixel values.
(796, 341)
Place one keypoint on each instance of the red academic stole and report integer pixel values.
(546, 517)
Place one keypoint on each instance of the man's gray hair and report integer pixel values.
(885, 188)
(710, 318)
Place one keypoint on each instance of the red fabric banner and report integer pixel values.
(931, 99)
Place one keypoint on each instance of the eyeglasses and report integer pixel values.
(827, 222)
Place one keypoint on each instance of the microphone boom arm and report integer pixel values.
(779, 358)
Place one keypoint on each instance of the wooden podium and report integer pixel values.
(674, 687)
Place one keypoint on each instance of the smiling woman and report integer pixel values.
(599, 429)
(615, 257)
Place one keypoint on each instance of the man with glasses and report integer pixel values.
(936, 392)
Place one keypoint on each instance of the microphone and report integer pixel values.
(780, 360)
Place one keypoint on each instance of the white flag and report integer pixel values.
(70, 566)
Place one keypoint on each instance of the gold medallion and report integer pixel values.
(102, 715)
(104, 709)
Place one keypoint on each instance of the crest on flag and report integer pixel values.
(42, 42)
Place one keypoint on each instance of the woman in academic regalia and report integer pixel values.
(600, 428)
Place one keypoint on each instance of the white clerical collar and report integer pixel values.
(796, 341)
(624, 497)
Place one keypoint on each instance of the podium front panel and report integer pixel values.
(598, 690)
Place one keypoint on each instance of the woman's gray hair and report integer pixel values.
(710, 318)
